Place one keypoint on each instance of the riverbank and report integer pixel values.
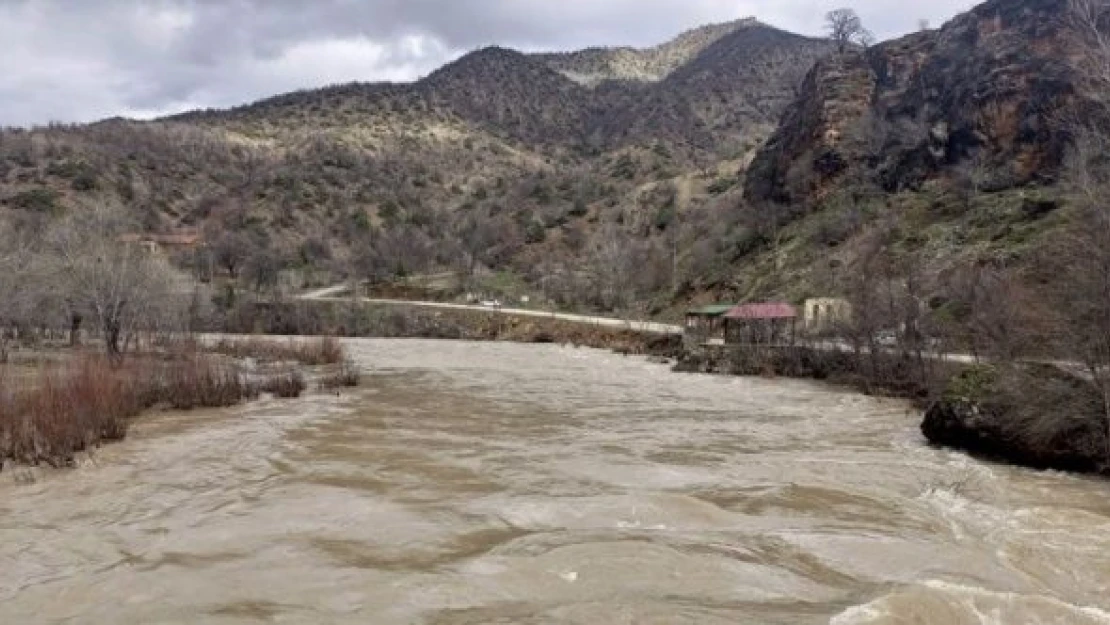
(1027, 414)
(880, 374)
(358, 320)
(73, 401)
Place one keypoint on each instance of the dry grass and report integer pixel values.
(63, 411)
(347, 376)
(288, 384)
(52, 415)
(198, 381)
(312, 352)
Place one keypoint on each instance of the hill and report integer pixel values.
(499, 163)
(736, 161)
(951, 144)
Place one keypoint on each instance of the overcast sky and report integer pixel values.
(81, 60)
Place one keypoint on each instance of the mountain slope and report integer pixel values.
(944, 150)
(991, 85)
(593, 66)
(730, 95)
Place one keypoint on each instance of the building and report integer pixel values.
(826, 314)
(182, 240)
(706, 325)
(766, 324)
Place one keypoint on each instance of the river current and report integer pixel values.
(498, 483)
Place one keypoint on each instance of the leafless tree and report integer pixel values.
(17, 286)
(1089, 20)
(846, 29)
(1080, 281)
(122, 286)
(996, 314)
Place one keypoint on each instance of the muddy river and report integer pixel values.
(490, 483)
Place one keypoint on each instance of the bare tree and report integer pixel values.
(122, 286)
(1089, 20)
(1079, 280)
(18, 294)
(846, 29)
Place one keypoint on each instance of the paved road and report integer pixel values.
(331, 294)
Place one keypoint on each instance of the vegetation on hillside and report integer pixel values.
(610, 198)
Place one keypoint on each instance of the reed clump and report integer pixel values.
(347, 375)
(286, 384)
(65, 410)
(311, 352)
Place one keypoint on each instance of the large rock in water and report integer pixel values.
(1032, 415)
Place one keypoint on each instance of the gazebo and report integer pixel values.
(706, 324)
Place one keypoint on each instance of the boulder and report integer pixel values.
(1033, 415)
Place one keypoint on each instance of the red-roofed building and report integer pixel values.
(766, 324)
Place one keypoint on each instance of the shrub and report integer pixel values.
(202, 382)
(312, 352)
(68, 410)
(721, 185)
(288, 384)
(36, 200)
(535, 232)
(347, 376)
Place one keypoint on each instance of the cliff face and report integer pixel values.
(989, 87)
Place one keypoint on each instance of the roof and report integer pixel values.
(763, 311)
(712, 310)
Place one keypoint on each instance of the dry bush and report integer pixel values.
(347, 376)
(66, 410)
(312, 352)
(288, 384)
(202, 382)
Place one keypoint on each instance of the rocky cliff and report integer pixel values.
(989, 88)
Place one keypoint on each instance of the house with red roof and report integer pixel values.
(772, 324)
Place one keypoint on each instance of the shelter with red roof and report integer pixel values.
(772, 324)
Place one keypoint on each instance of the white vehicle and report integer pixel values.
(492, 303)
(887, 338)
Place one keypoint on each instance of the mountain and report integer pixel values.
(945, 150)
(593, 66)
(736, 161)
(991, 84)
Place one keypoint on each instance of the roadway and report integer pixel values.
(332, 294)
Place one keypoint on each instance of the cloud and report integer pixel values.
(80, 60)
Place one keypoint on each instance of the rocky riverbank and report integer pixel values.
(882, 374)
(1032, 415)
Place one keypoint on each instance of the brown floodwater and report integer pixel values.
(498, 483)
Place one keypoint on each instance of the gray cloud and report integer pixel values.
(79, 60)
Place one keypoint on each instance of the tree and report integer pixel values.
(1089, 21)
(1079, 264)
(231, 250)
(18, 292)
(122, 286)
(846, 29)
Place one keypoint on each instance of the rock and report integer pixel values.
(1032, 415)
(1036, 208)
(990, 83)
